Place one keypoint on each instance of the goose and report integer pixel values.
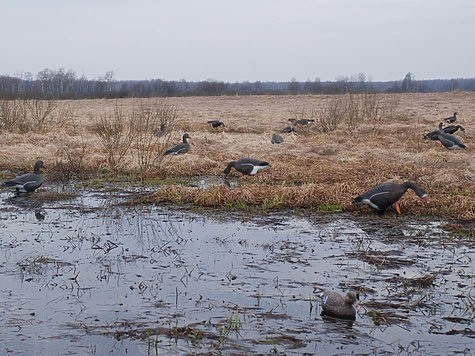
(181, 148)
(302, 122)
(216, 123)
(451, 129)
(451, 119)
(160, 131)
(449, 141)
(386, 194)
(28, 182)
(247, 166)
(287, 129)
(334, 304)
(277, 139)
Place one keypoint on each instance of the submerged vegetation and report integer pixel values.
(355, 142)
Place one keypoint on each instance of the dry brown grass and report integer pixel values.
(309, 169)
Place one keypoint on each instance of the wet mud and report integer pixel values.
(80, 273)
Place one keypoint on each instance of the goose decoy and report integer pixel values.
(334, 304)
(216, 123)
(302, 122)
(277, 139)
(386, 194)
(449, 141)
(181, 148)
(160, 131)
(247, 166)
(287, 129)
(28, 182)
(451, 119)
(451, 129)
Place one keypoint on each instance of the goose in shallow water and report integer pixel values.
(386, 194)
(451, 119)
(277, 139)
(181, 148)
(28, 182)
(216, 123)
(449, 141)
(334, 304)
(247, 166)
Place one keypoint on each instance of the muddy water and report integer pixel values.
(87, 276)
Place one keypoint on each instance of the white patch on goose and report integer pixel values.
(256, 169)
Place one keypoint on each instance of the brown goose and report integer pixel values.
(334, 304)
(386, 194)
(28, 182)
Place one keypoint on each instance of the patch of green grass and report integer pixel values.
(330, 207)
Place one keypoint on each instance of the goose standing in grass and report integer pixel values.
(161, 130)
(28, 182)
(449, 141)
(334, 304)
(386, 194)
(277, 139)
(451, 129)
(181, 148)
(302, 122)
(247, 166)
(451, 119)
(216, 123)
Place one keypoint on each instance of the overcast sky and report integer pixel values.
(240, 40)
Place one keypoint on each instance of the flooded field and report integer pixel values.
(90, 276)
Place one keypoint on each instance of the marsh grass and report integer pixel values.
(323, 167)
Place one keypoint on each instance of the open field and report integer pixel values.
(311, 169)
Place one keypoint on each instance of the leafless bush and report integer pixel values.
(389, 107)
(41, 111)
(116, 134)
(352, 110)
(330, 115)
(69, 164)
(152, 126)
(26, 115)
(14, 116)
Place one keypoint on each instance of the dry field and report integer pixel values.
(311, 169)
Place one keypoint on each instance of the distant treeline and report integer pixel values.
(62, 84)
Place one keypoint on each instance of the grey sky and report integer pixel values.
(241, 40)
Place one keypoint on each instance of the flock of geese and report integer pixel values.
(378, 198)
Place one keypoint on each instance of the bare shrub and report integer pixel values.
(389, 107)
(14, 116)
(331, 115)
(116, 134)
(69, 163)
(26, 115)
(41, 112)
(371, 105)
(152, 125)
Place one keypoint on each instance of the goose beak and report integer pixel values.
(426, 199)
(398, 209)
